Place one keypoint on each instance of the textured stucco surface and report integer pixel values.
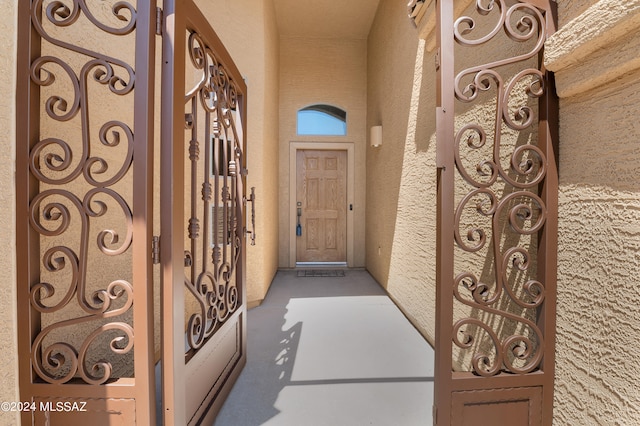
(401, 174)
(595, 58)
(249, 32)
(323, 71)
(8, 335)
(570, 9)
(595, 47)
(606, 20)
(598, 354)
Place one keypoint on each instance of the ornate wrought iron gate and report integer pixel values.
(497, 215)
(203, 251)
(85, 213)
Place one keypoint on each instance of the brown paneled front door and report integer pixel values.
(321, 206)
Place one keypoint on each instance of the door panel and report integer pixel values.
(321, 191)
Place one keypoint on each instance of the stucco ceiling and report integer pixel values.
(325, 18)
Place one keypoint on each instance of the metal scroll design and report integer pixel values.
(73, 189)
(215, 224)
(505, 196)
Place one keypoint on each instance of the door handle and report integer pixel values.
(299, 226)
(252, 198)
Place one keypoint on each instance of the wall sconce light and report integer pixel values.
(376, 136)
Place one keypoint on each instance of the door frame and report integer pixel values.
(294, 147)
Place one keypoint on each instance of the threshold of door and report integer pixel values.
(321, 273)
(321, 264)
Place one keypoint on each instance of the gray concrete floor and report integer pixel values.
(331, 351)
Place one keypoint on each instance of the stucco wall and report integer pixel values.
(249, 32)
(570, 9)
(401, 174)
(8, 336)
(598, 340)
(323, 71)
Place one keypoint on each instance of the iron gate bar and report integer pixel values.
(140, 388)
(534, 383)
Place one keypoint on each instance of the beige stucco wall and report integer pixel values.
(401, 174)
(249, 32)
(570, 9)
(598, 341)
(8, 333)
(323, 71)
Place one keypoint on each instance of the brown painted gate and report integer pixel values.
(497, 214)
(101, 300)
(203, 163)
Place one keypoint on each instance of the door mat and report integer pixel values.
(321, 273)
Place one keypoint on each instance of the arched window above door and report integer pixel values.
(322, 120)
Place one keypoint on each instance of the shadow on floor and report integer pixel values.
(331, 351)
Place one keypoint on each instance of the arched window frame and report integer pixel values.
(328, 116)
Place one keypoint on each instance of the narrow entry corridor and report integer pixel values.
(331, 350)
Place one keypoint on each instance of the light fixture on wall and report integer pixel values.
(376, 136)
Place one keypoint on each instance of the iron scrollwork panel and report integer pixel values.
(81, 178)
(499, 212)
(213, 193)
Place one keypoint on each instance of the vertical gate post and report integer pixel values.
(445, 114)
(143, 159)
(172, 213)
(548, 131)
(27, 243)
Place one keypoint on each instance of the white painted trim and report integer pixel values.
(351, 163)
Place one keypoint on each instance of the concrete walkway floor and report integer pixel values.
(331, 351)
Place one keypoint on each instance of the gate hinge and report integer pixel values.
(155, 250)
(158, 21)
